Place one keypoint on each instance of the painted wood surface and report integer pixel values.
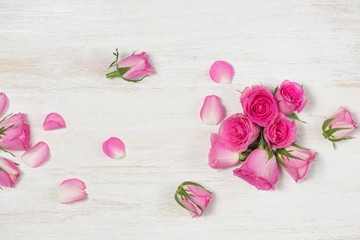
(54, 56)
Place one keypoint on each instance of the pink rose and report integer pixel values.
(193, 197)
(9, 172)
(339, 126)
(299, 163)
(259, 170)
(237, 132)
(17, 136)
(219, 156)
(259, 105)
(281, 132)
(290, 97)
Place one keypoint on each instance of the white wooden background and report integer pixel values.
(54, 55)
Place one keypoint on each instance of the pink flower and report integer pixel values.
(219, 156)
(221, 72)
(193, 197)
(211, 112)
(71, 190)
(237, 132)
(281, 132)
(259, 170)
(53, 121)
(290, 97)
(17, 136)
(114, 148)
(339, 126)
(299, 163)
(9, 172)
(259, 105)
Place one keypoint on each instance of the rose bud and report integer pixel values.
(14, 133)
(339, 126)
(281, 132)
(259, 170)
(237, 132)
(133, 68)
(193, 197)
(295, 160)
(259, 105)
(290, 97)
(9, 172)
(219, 156)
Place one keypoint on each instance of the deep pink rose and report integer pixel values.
(290, 97)
(139, 66)
(9, 172)
(237, 132)
(281, 133)
(219, 156)
(17, 137)
(259, 170)
(259, 105)
(343, 121)
(298, 166)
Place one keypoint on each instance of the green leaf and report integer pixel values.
(326, 123)
(138, 80)
(287, 154)
(278, 159)
(331, 131)
(297, 146)
(295, 117)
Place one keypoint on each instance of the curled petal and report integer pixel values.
(37, 155)
(3, 102)
(114, 148)
(211, 112)
(53, 121)
(71, 190)
(219, 156)
(221, 72)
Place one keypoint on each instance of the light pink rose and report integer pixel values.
(290, 97)
(193, 197)
(139, 66)
(259, 105)
(259, 170)
(281, 133)
(17, 136)
(297, 165)
(219, 156)
(238, 132)
(342, 121)
(9, 172)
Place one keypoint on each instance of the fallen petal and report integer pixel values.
(114, 148)
(36, 155)
(3, 102)
(211, 112)
(53, 121)
(221, 72)
(71, 190)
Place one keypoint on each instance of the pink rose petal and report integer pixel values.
(114, 148)
(53, 121)
(221, 72)
(71, 190)
(3, 102)
(211, 112)
(37, 155)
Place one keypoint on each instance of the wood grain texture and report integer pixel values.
(54, 55)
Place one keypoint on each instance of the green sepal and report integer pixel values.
(295, 117)
(276, 89)
(118, 73)
(331, 131)
(138, 80)
(287, 154)
(297, 146)
(326, 123)
(338, 140)
(4, 150)
(281, 162)
(270, 153)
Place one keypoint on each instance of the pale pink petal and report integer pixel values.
(36, 155)
(71, 190)
(221, 72)
(211, 112)
(3, 102)
(53, 121)
(5, 180)
(114, 148)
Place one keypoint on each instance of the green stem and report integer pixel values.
(113, 74)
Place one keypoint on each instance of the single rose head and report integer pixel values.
(259, 170)
(259, 105)
(211, 112)
(281, 132)
(219, 156)
(193, 197)
(339, 126)
(237, 132)
(290, 97)
(17, 133)
(9, 172)
(297, 160)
